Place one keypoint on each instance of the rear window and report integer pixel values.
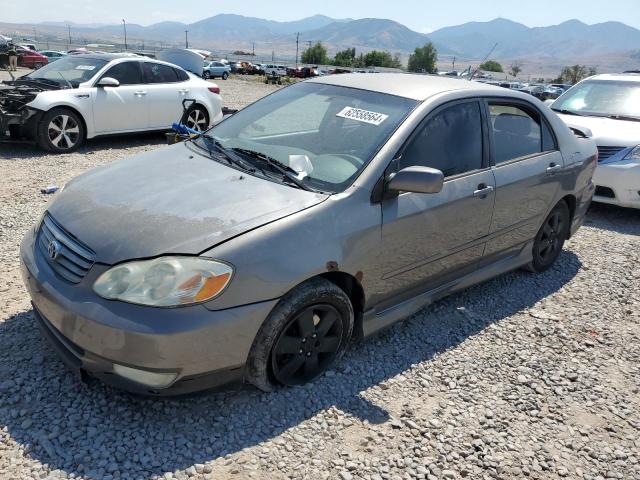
(159, 73)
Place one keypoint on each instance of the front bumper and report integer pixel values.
(619, 183)
(204, 348)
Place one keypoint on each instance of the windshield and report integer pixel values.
(75, 69)
(324, 133)
(602, 98)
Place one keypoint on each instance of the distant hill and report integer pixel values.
(370, 33)
(568, 39)
(469, 42)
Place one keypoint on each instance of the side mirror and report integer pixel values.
(108, 82)
(417, 180)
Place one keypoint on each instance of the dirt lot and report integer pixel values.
(521, 377)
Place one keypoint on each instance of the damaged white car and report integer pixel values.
(609, 106)
(84, 96)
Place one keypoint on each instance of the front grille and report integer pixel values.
(607, 152)
(604, 192)
(66, 255)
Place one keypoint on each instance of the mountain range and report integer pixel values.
(470, 41)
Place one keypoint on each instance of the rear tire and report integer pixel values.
(60, 131)
(304, 335)
(196, 118)
(550, 239)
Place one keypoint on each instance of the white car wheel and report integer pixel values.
(197, 119)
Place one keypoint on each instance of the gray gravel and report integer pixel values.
(524, 376)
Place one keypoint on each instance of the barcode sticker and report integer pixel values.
(365, 116)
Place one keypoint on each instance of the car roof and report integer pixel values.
(414, 86)
(628, 77)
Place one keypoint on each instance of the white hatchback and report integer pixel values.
(609, 106)
(84, 96)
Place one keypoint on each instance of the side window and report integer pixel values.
(159, 73)
(548, 140)
(127, 73)
(450, 141)
(516, 133)
(182, 75)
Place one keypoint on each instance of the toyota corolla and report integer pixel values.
(319, 214)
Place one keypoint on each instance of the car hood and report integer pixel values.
(606, 131)
(171, 200)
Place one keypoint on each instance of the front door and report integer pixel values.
(122, 108)
(429, 239)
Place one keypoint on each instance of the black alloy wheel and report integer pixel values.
(550, 238)
(308, 344)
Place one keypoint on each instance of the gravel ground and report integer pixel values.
(523, 376)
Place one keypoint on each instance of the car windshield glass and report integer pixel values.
(602, 98)
(325, 133)
(75, 69)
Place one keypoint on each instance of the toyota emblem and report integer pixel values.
(53, 249)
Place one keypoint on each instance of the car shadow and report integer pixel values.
(20, 150)
(614, 218)
(75, 427)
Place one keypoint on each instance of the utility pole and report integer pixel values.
(273, 55)
(253, 51)
(454, 63)
(69, 31)
(186, 39)
(297, 47)
(35, 36)
(124, 24)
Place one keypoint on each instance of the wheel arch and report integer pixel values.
(352, 287)
(64, 106)
(571, 202)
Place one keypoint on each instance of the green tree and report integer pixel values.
(491, 66)
(575, 73)
(345, 58)
(377, 58)
(317, 54)
(516, 68)
(423, 59)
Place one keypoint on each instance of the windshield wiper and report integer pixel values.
(67, 81)
(213, 144)
(629, 118)
(567, 112)
(288, 172)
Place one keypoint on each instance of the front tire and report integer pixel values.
(225, 75)
(196, 118)
(206, 75)
(305, 335)
(60, 131)
(550, 239)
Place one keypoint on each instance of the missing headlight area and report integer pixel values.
(15, 115)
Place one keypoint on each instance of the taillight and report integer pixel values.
(215, 90)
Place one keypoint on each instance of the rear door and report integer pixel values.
(167, 88)
(428, 239)
(527, 169)
(122, 108)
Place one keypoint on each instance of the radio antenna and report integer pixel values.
(483, 60)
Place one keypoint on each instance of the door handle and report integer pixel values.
(184, 91)
(140, 93)
(483, 190)
(553, 169)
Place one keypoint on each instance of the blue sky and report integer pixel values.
(420, 15)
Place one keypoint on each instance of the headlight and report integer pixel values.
(165, 281)
(633, 154)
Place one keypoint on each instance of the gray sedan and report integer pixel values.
(319, 214)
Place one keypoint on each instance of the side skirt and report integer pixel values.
(374, 321)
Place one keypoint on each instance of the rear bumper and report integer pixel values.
(203, 348)
(619, 183)
(583, 200)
